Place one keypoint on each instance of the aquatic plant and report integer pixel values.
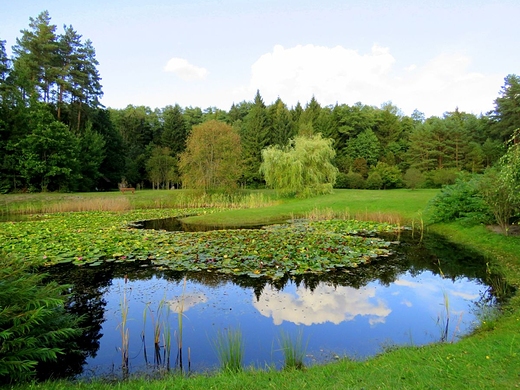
(309, 247)
(125, 334)
(293, 350)
(230, 349)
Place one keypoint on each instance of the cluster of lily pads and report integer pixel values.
(91, 238)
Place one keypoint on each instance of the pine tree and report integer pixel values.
(255, 136)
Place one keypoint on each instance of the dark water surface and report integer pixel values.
(400, 300)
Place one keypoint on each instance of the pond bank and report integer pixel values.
(488, 359)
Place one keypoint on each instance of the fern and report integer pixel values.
(34, 326)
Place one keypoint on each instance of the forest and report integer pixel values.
(55, 135)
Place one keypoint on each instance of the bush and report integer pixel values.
(413, 178)
(341, 180)
(461, 200)
(355, 180)
(374, 181)
(34, 326)
(442, 177)
(390, 175)
(497, 196)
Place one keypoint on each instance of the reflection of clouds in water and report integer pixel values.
(324, 304)
(407, 303)
(423, 285)
(431, 284)
(463, 295)
(185, 302)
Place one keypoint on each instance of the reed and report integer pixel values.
(230, 350)
(379, 216)
(125, 335)
(180, 314)
(443, 320)
(293, 350)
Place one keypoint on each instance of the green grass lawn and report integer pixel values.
(487, 359)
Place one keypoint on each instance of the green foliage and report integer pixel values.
(442, 177)
(504, 118)
(304, 168)
(350, 180)
(413, 178)
(390, 175)
(374, 181)
(87, 239)
(293, 350)
(254, 137)
(461, 200)
(161, 167)
(500, 188)
(212, 159)
(230, 350)
(91, 146)
(365, 145)
(48, 155)
(34, 326)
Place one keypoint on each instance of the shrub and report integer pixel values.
(413, 178)
(497, 196)
(461, 200)
(374, 181)
(34, 326)
(355, 180)
(341, 181)
(442, 177)
(390, 175)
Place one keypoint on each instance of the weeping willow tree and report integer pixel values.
(303, 168)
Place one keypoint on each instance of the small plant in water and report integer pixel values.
(125, 335)
(230, 350)
(293, 350)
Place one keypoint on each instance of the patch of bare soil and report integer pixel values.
(514, 230)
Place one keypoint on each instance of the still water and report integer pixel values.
(427, 292)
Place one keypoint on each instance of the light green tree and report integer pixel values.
(212, 159)
(500, 187)
(303, 168)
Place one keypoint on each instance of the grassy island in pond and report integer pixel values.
(489, 358)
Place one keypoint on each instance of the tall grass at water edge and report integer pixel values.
(230, 350)
(116, 201)
(293, 350)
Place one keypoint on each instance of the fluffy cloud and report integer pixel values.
(185, 70)
(342, 75)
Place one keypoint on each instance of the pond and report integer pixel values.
(426, 292)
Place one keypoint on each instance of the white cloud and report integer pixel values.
(337, 74)
(185, 70)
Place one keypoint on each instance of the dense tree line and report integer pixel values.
(55, 135)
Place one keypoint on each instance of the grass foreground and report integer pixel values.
(487, 359)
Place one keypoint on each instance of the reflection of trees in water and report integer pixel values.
(86, 300)
(433, 254)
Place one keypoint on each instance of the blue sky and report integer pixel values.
(432, 55)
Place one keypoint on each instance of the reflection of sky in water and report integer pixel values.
(335, 320)
(324, 304)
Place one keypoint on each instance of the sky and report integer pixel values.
(433, 56)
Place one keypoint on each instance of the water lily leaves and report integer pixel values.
(93, 237)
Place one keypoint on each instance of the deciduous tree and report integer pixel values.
(303, 168)
(212, 159)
